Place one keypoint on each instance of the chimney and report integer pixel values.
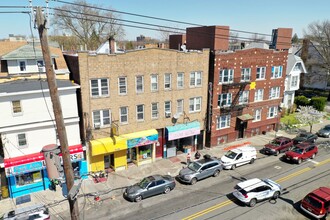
(304, 50)
(112, 45)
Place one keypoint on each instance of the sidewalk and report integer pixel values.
(117, 180)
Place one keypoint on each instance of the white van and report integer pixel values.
(238, 156)
(36, 212)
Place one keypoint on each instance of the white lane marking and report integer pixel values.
(313, 161)
(278, 167)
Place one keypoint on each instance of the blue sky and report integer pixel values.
(259, 16)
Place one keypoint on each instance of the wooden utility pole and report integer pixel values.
(61, 131)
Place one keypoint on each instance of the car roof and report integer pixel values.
(245, 148)
(323, 192)
(251, 184)
(156, 177)
(206, 160)
(283, 139)
(304, 145)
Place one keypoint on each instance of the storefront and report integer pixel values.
(141, 146)
(181, 137)
(108, 153)
(27, 174)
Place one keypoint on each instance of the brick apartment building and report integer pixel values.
(141, 104)
(246, 85)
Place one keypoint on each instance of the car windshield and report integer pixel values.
(302, 135)
(327, 127)
(297, 150)
(144, 183)
(313, 202)
(194, 166)
(275, 142)
(231, 154)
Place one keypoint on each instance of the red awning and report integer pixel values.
(29, 158)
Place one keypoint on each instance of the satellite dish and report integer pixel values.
(183, 48)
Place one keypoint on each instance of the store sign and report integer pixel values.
(76, 157)
(29, 167)
(183, 130)
(142, 141)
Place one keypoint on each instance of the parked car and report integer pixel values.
(324, 132)
(304, 137)
(317, 203)
(200, 169)
(278, 145)
(238, 156)
(301, 152)
(254, 190)
(37, 212)
(149, 186)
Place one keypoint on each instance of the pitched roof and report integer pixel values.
(25, 52)
(8, 46)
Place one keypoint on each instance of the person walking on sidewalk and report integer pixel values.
(188, 159)
(197, 155)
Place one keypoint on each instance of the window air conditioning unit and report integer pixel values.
(167, 114)
(97, 125)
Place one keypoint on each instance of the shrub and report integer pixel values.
(301, 101)
(318, 103)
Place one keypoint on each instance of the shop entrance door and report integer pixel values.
(108, 161)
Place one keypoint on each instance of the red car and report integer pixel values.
(317, 203)
(301, 152)
(278, 145)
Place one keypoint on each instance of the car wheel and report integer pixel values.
(138, 198)
(252, 161)
(193, 181)
(277, 152)
(167, 190)
(216, 173)
(252, 202)
(299, 161)
(276, 195)
(233, 167)
(313, 156)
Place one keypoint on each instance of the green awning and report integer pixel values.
(245, 117)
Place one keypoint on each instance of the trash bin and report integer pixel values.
(4, 192)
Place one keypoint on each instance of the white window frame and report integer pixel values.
(139, 112)
(154, 111)
(297, 67)
(223, 121)
(122, 115)
(154, 83)
(245, 74)
(20, 112)
(22, 138)
(195, 104)
(244, 97)
(102, 90)
(195, 79)
(139, 84)
(226, 76)
(122, 85)
(180, 81)
(226, 98)
(20, 67)
(180, 106)
(103, 120)
(276, 72)
(274, 92)
(167, 107)
(294, 81)
(261, 73)
(257, 115)
(258, 95)
(272, 111)
(167, 81)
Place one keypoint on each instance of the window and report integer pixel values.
(258, 95)
(224, 99)
(276, 72)
(243, 97)
(22, 142)
(28, 178)
(122, 83)
(298, 67)
(154, 82)
(22, 66)
(195, 104)
(41, 65)
(17, 108)
(123, 112)
(154, 110)
(195, 79)
(99, 87)
(140, 112)
(261, 72)
(167, 81)
(294, 81)
(139, 84)
(101, 118)
(272, 112)
(226, 76)
(180, 80)
(274, 93)
(257, 115)
(245, 74)
(179, 108)
(223, 121)
(167, 107)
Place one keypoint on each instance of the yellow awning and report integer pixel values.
(108, 145)
(140, 134)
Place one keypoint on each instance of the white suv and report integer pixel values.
(254, 190)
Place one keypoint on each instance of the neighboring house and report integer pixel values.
(140, 105)
(247, 86)
(27, 124)
(25, 60)
(294, 70)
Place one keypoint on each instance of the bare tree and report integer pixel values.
(88, 23)
(309, 115)
(164, 33)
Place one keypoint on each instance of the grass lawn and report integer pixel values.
(290, 119)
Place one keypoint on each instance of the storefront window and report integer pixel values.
(28, 178)
(145, 152)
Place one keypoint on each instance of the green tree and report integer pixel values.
(295, 39)
(309, 115)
